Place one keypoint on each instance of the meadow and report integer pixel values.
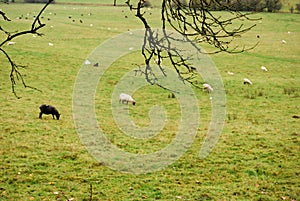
(256, 157)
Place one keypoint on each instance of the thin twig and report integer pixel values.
(35, 27)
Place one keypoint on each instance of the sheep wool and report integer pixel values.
(247, 81)
(263, 68)
(208, 87)
(125, 98)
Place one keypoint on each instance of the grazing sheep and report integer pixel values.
(247, 81)
(283, 41)
(11, 43)
(263, 68)
(87, 62)
(207, 87)
(230, 73)
(48, 109)
(125, 98)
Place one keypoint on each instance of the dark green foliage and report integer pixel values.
(37, 1)
(242, 5)
(273, 5)
(298, 7)
(247, 5)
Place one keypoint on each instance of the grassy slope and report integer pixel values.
(257, 157)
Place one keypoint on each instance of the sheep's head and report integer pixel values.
(133, 102)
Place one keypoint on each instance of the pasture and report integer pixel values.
(256, 157)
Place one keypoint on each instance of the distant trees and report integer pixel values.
(273, 5)
(245, 5)
(37, 1)
(298, 7)
(237, 5)
(240, 5)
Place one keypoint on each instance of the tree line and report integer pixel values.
(251, 5)
(37, 1)
(26, 1)
(238, 5)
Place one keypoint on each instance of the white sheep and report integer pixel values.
(263, 68)
(125, 98)
(283, 41)
(230, 73)
(247, 81)
(87, 62)
(11, 43)
(208, 87)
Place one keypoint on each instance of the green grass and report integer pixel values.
(257, 155)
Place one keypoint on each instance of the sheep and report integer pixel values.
(207, 87)
(87, 62)
(11, 43)
(263, 68)
(230, 73)
(125, 98)
(48, 109)
(247, 81)
(283, 41)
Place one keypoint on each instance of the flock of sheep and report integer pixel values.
(247, 81)
(125, 98)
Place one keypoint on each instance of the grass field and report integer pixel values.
(257, 155)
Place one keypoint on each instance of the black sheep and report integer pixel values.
(48, 109)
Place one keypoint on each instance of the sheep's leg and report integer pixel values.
(53, 116)
(40, 116)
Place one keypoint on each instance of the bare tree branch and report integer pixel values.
(195, 22)
(36, 25)
(4, 16)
